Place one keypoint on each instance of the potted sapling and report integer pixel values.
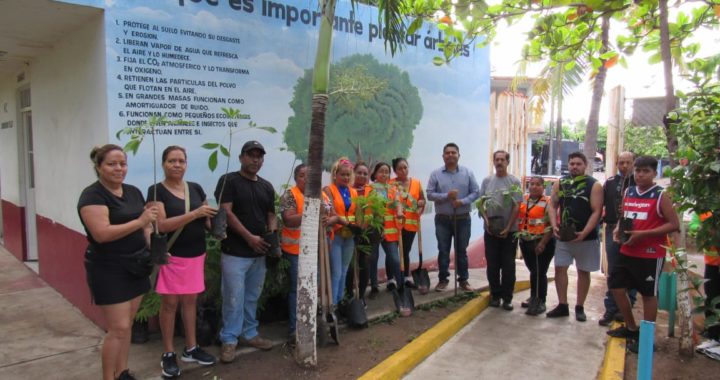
(219, 222)
(570, 188)
(488, 204)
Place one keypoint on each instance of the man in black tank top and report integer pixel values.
(578, 198)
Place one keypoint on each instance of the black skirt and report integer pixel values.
(110, 283)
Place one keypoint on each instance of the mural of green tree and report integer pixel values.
(372, 128)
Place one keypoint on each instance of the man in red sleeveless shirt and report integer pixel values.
(642, 255)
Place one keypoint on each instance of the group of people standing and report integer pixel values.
(118, 221)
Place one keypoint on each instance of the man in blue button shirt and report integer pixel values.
(453, 189)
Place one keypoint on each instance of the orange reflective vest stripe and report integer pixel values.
(339, 205)
(712, 257)
(409, 200)
(290, 237)
(390, 228)
(534, 222)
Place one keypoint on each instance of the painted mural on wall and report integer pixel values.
(186, 59)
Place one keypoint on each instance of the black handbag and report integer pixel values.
(139, 263)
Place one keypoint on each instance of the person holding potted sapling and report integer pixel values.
(500, 197)
(184, 214)
(579, 199)
(642, 255)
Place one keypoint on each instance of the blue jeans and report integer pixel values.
(242, 283)
(341, 252)
(612, 251)
(445, 232)
(292, 294)
(392, 259)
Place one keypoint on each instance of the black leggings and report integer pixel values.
(408, 237)
(538, 275)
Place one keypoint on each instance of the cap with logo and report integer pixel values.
(250, 145)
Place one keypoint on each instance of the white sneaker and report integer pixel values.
(713, 353)
(710, 343)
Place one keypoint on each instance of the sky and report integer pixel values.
(639, 78)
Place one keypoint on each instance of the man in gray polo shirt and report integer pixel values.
(503, 196)
(453, 189)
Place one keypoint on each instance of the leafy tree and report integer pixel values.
(376, 127)
(646, 141)
(390, 19)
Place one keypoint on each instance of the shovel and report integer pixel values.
(402, 295)
(322, 326)
(357, 317)
(420, 276)
(329, 310)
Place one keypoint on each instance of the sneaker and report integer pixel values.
(258, 342)
(561, 310)
(494, 302)
(708, 344)
(126, 375)
(580, 313)
(168, 363)
(525, 304)
(633, 345)
(507, 305)
(391, 285)
(227, 353)
(540, 307)
(624, 332)
(532, 308)
(409, 283)
(442, 285)
(197, 354)
(464, 285)
(606, 319)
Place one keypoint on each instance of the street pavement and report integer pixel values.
(501, 344)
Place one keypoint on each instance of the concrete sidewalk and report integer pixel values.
(43, 336)
(499, 344)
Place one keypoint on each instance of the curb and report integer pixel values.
(412, 354)
(613, 367)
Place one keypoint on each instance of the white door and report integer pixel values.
(27, 182)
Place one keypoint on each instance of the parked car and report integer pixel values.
(598, 165)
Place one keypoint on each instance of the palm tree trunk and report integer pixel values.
(306, 350)
(558, 126)
(591, 130)
(670, 100)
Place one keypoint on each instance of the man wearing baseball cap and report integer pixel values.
(250, 204)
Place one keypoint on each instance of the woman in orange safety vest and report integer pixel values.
(390, 232)
(536, 243)
(291, 210)
(412, 198)
(341, 195)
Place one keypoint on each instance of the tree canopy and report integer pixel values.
(373, 128)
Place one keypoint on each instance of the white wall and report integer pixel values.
(9, 176)
(69, 106)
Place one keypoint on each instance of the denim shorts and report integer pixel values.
(586, 255)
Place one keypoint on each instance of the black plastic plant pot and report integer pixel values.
(567, 232)
(625, 224)
(158, 248)
(272, 239)
(218, 224)
(496, 224)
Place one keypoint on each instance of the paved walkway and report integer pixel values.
(43, 336)
(511, 345)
